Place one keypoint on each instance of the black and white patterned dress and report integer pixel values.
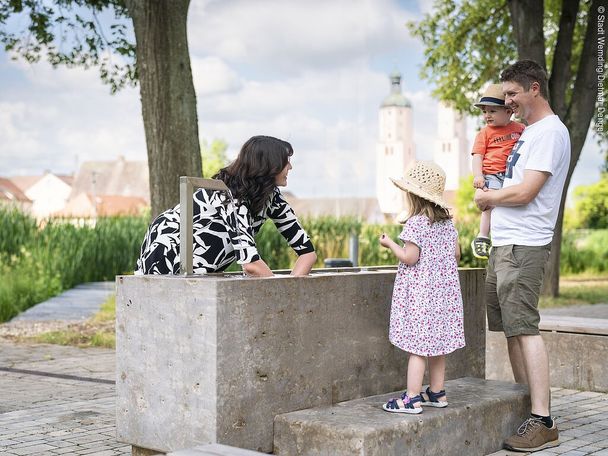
(217, 242)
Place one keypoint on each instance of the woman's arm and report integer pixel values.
(304, 264)
(257, 269)
(408, 254)
(294, 233)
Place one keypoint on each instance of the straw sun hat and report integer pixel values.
(492, 96)
(425, 179)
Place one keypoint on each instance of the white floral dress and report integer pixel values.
(426, 311)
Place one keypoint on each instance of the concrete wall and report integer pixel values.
(213, 359)
(576, 361)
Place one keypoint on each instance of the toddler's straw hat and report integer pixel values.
(425, 179)
(492, 96)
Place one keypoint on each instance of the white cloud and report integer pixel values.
(17, 139)
(426, 6)
(213, 76)
(291, 36)
(55, 118)
(313, 73)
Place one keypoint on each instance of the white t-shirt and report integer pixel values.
(543, 146)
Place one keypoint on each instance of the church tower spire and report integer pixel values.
(395, 147)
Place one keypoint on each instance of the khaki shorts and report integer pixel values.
(514, 278)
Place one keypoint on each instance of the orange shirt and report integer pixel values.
(494, 144)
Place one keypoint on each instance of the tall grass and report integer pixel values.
(584, 251)
(16, 230)
(39, 263)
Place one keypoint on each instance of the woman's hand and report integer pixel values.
(304, 264)
(257, 269)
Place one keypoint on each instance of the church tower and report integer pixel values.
(451, 147)
(395, 148)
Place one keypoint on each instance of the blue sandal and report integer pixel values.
(433, 399)
(404, 404)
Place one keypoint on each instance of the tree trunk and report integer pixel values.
(560, 71)
(577, 119)
(527, 20)
(168, 99)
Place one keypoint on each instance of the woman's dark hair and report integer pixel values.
(251, 177)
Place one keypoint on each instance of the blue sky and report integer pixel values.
(313, 73)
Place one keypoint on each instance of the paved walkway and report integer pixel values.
(57, 400)
(77, 304)
(61, 400)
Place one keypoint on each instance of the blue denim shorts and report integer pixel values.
(494, 181)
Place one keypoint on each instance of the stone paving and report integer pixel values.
(76, 304)
(73, 412)
(582, 418)
(58, 400)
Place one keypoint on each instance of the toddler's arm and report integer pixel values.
(478, 180)
(408, 254)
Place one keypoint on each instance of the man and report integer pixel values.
(523, 221)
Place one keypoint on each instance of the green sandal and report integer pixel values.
(481, 246)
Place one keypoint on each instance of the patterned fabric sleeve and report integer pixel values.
(414, 230)
(243, 240)
(288, 225)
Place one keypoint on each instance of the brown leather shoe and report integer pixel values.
(533, 435)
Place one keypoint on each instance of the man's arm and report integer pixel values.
(516, 195)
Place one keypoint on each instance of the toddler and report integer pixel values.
(490, 151)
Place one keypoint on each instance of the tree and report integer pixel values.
(167, 95)
(468, 43)
(213, 156)
(70, 33)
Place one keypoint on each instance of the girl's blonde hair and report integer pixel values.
(421, 206)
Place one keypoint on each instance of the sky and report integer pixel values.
(313, 73)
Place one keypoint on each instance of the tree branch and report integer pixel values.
(560, 73)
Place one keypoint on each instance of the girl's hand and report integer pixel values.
(385, 241)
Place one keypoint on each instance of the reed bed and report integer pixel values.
(37, 263)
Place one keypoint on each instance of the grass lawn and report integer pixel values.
(99, 330)
(578, 290)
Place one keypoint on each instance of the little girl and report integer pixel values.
(426, 312)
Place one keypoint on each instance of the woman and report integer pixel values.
(224, 230)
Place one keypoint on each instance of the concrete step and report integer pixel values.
(481, 414)
(214, 449)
